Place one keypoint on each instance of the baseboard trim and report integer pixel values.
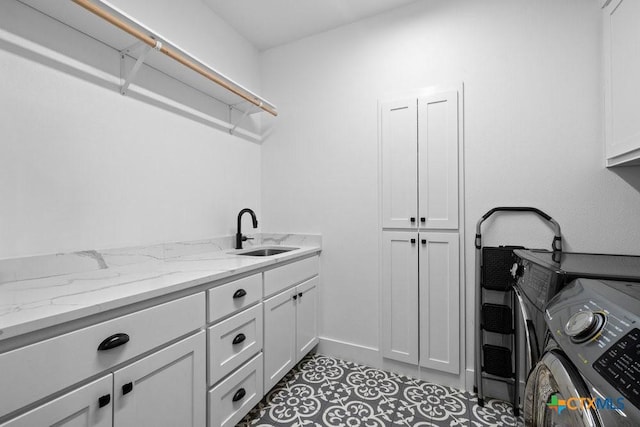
(350, 352)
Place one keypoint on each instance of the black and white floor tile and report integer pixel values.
(323, 391)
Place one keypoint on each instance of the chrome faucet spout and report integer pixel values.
(239, 237)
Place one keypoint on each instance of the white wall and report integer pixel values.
(533, 129)
(83, 167)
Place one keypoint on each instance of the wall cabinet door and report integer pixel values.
(400, 296)
(167, 388)
(399, 164)
(419, 148)
(87, 406)
(306, 317)
(438, 160)
(439, 301)
(279, 337)
(622, 67)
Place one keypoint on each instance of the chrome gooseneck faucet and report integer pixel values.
(239, 237)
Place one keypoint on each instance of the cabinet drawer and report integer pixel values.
(224, 355)
(40, 369)
(291, 274)
(234, 296)
(234, 397)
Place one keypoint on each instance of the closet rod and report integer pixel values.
(175, 56)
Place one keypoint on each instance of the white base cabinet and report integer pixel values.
(290, 319)
(165, 389)
(420, 299)
(166, 366)
(87, 406)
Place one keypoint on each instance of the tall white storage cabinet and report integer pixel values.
(421, 229)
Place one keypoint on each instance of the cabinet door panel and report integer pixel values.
(169, 387)
(622, 67)
(279, 337)
(400, 296)
(439, 301)
(78, 408)
(438, 160)
(307, 317)
(399, 163)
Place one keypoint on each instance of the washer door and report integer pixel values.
(555, 378)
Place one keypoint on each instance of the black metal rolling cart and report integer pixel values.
(496, 316)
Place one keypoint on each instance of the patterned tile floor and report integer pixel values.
(326, 392)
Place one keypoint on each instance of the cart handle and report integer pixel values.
(556, 244)
(516, 209)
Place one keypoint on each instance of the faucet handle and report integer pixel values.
(245, 238)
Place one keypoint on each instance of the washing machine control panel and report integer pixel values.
(620, 366)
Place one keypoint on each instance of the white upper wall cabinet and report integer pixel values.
(621, 33)
(419, 139)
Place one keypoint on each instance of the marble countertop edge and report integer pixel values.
(31, 305)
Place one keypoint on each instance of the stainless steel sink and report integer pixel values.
(265, 251)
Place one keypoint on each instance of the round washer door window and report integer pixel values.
(550, 386)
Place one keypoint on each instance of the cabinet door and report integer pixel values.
(399, 163)
(439, 301)
(86, 406)
(622, 67)
(306, 317)
(438, 160)
(400, 296)
(279, 337)
(167, 388)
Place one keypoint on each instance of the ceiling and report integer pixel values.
(270, 23)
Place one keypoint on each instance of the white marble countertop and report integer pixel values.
(36, 303)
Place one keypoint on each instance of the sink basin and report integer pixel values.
(265, 251)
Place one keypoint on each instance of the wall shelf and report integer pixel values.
(139, 44)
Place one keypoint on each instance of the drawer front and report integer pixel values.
(234, 296)
(234, 397)
(224, 356)
(291, 274)
(40, 369)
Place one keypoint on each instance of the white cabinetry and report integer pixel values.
(159, 389)
(400, 296)
(420, 162)
(421, 229)
(164, 389)
(235, 350)
(290, 319)
(621, 34)
(87, 406)
(420, 299)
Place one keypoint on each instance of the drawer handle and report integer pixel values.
(295, 297)
(239, 395)
(239, 293)
(300, 295)
(238, 339)
(104, 400)
(127, 388)
(113, 341)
